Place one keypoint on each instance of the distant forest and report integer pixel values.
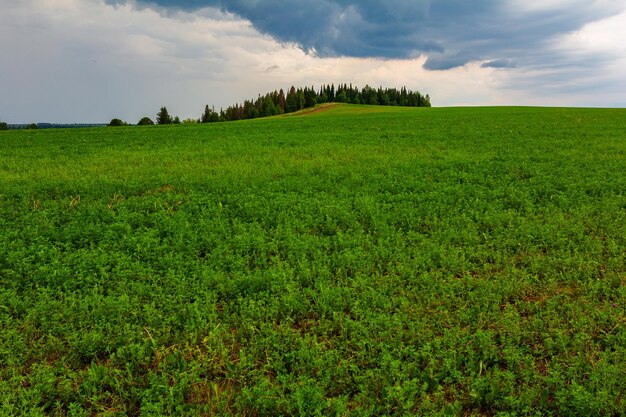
(278, 102)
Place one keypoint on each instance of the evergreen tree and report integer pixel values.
(310, 98)
(300, 99)
(206, 116)
(291, 102)
(163, 117)
(281, 101)
(4, 126)
(341, 97)
(268, 107)
(382, 97)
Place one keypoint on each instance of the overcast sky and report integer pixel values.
(93, 60)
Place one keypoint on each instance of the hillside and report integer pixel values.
(352, 260)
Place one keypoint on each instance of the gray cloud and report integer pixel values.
(498, 63)
(443, 61)
(450, 32)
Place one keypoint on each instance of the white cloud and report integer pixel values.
(606, 35)
(593, 70)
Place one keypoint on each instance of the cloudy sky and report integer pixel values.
(92, 60)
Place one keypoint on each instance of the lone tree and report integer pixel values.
(163, 117)
(145, 121)
(4, 126)
(117, 122)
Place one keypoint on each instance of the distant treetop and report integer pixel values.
(163, 117)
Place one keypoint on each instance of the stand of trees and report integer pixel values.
(278, 102)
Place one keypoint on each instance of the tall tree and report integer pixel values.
(268, 108)
(291, 102)
(281, 101)
(206, 116)
(163, 117)
(310, 97)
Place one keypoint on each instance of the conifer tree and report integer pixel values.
(206, 116)
(281, 100)
(163, 117)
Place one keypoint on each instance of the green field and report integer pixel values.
(352, 261)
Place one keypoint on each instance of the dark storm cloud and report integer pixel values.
(498, 63)
(443, 61)
(450, 32)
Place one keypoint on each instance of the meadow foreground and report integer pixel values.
(353, 261)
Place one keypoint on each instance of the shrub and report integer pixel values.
(4, 126)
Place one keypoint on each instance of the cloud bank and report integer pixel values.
(451, 32)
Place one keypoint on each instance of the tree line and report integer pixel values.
(277, 102)
(32, 126)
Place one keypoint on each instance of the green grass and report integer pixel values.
(354, 261)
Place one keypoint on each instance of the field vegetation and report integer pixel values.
(359, 260)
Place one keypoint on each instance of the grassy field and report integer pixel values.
(353, 261)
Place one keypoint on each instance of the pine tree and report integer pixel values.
(206, 116)
(163, 117)
(268, 108)
(281, 101)
(291, 102)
